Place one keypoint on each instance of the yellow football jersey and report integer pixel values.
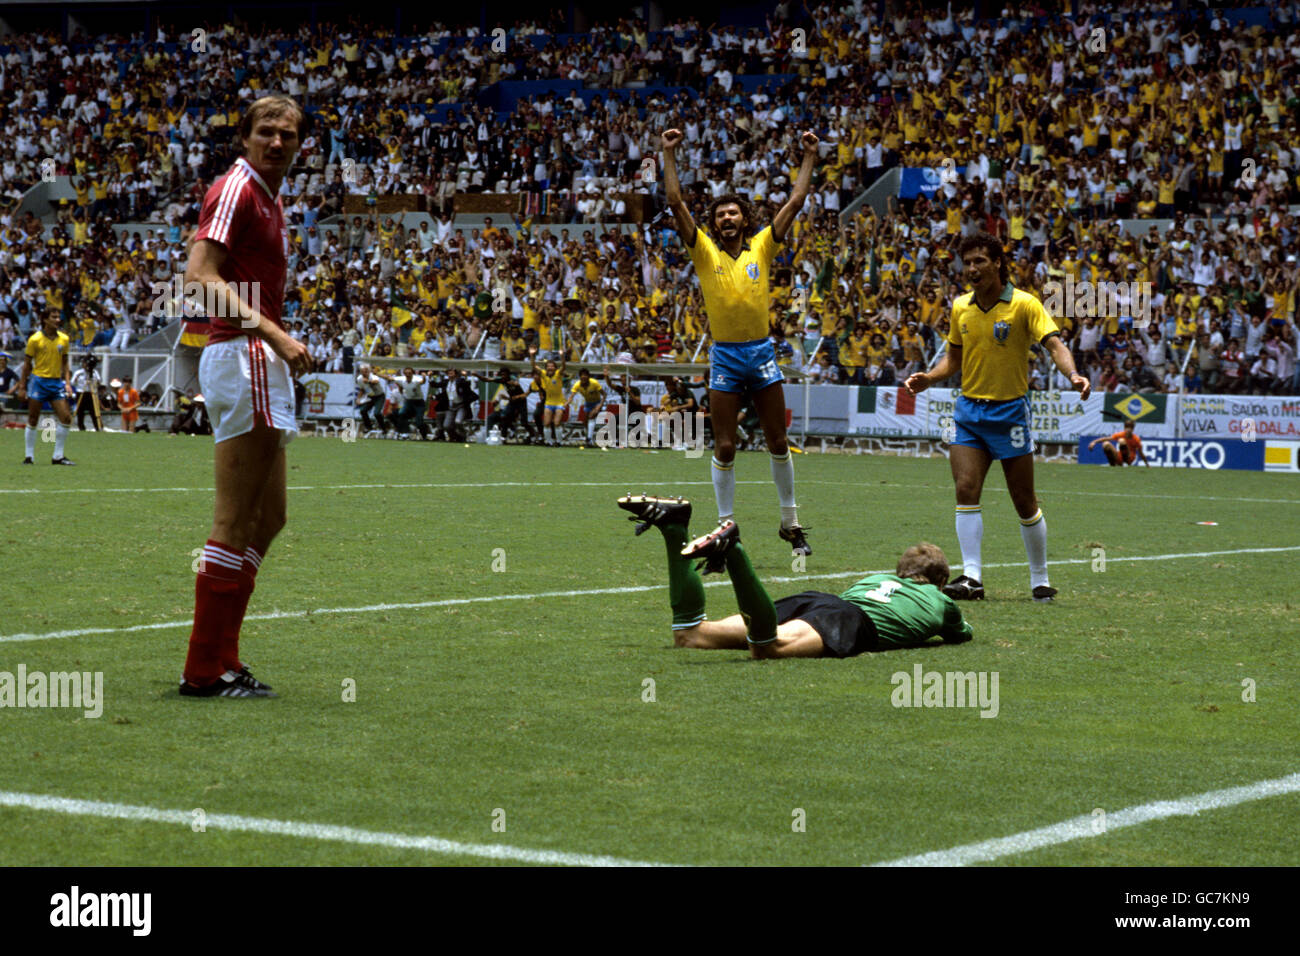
(995, 344)
(47, 353)
(591, 393)
(736, 291)
(552, 386)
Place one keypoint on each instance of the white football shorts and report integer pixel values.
(246, 385)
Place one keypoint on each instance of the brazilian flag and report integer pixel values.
(400, 314)
(1141, 408)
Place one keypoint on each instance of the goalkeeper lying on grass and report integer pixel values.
(878, 613)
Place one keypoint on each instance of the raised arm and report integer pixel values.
(671, 139)
(785, 216)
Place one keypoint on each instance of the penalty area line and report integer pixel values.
(207, 489)
(308, 831)
(370, 486)
(1087, 827)
(638, 589)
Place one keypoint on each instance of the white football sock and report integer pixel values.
(1034, 532)
(60, 435)
(29, 437)
(783, 476)
(724, 487)
(970, 535)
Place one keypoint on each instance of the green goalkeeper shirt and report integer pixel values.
(908, 612)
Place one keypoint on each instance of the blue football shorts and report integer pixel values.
(1000, 428)
(743, 366)
(46, 389)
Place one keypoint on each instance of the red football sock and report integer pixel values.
(215, 590)
(247, 582)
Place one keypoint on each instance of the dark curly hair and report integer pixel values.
(746, 210)
(992, 246)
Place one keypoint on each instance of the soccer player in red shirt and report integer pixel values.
(239, 257)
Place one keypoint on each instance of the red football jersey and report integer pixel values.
(240, 212)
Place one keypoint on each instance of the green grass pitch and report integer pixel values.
(529, 710)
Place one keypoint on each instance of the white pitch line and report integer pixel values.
(1135, 493)
(639, 589)
(1085, 827)
(308, 831)
(420, 484)
(621, 484)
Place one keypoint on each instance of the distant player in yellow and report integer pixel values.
(991, 331)
(47, 377)
(734, 268)
(551, 382)
(592, 392)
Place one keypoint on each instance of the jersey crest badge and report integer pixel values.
(1000, 331)
(751, 270)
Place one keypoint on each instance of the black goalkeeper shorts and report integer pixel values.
(845, 630)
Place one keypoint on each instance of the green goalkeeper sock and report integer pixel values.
(755, 605)
(685, 589)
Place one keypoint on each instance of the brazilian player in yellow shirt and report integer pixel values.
(733, 262)
(992, 328)
(47, 377)
(592, 392)
(551, 382)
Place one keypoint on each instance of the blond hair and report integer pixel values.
(924, 562)
(276, 104)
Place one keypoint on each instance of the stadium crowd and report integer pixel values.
(1046, 137)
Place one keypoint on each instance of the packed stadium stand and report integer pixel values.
(471, 191)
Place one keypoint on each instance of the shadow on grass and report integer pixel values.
(742, 657)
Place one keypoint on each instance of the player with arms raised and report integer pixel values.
(734, 269)
(992, 329)
(246, 375)
(550, 381)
